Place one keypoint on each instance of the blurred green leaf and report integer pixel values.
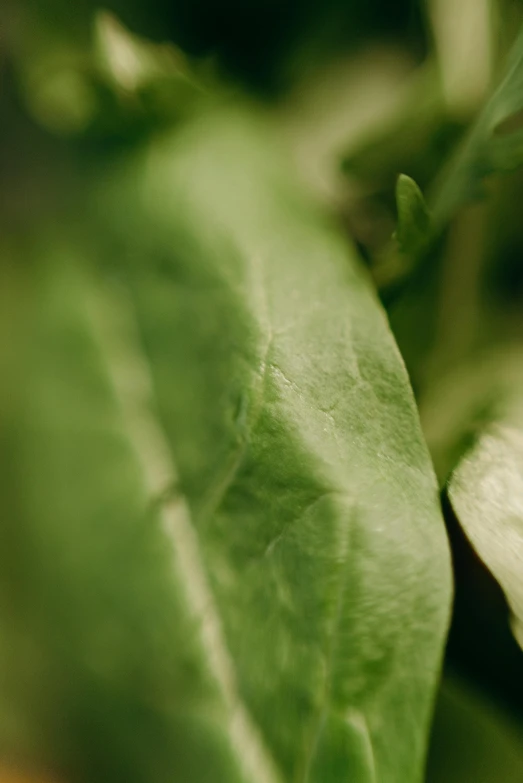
(133, 63)
(102, 672)
(491, 146)
(486, 490)
(116, 82)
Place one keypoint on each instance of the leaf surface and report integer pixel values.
(486, 490)
(290, 418)
(217, 494)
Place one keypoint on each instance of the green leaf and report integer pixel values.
(238, 569)
(298, 447)
(486, 491)
(409, 240)
(418, 141)
(491, 146)
(413, 228)
(102, 672)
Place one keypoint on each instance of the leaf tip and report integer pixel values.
(413, 227)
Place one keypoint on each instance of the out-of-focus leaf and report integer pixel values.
(101, 668)
(134, 63)
(117, 81)
(486, 490)
(224, 558)
(258, 42)
(491, 146)
(464, 38)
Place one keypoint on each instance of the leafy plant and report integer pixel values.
(224, 557)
